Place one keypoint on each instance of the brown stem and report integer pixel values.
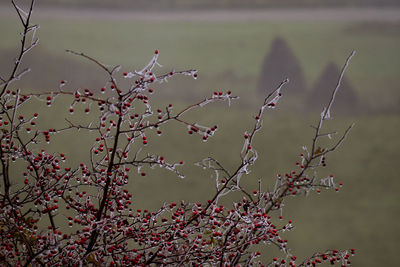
(22, 49)
(6, 177)
(95, 232)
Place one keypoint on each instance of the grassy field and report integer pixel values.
(190, 4)
(235, 48)
(362, 215)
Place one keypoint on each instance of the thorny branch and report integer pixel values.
(25, 18)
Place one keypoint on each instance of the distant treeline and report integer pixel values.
(205, 4)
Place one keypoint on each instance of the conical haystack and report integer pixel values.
(281, 63)
(346, 98)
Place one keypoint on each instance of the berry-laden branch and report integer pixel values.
(53, 213)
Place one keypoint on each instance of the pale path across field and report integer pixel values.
(317, 14)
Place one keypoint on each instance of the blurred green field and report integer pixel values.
(225, 53)
(192, 4)
(362, 215)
